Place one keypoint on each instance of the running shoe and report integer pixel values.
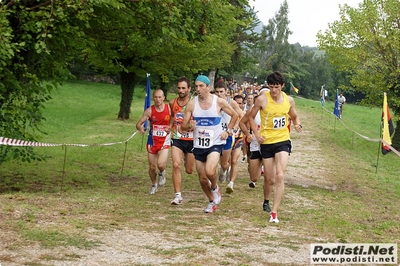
(217, 195)
(229, 188)
(273, 218)
(244, 158)
(178, 200)
(222, 175)
(211, 207)
(266, 207)
(228, 175)
(161, 178)
(153, 189)
(252, 184)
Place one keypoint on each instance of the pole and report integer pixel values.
(123, 161)
(64, 166)
(334, 126)
(379, 149)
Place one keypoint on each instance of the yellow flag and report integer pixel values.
(387, 126)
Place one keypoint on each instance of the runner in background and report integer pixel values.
(158, 140)
(236, 148)
(182, 141)
(221, 91)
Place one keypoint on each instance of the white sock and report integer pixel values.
(178, 194)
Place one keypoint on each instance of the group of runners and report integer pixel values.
(209, 131)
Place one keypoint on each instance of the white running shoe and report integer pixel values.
(252, 184)
(178, 200)
(217, 195)
(153, 189)
(228, 175)
(161, 178)
(229, 188)
(211, 207)
(273, 218)
(222, 175)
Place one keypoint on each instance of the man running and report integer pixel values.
(159, 140)
(209, 137)
(275, 110)
(255, 157)
(221, 91)
(237, 146)
(182, 141)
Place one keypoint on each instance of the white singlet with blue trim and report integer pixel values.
(208, 129)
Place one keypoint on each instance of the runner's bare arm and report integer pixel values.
(187, 124)
(245, 126)
(227, 108)
(146, 116)
(293, 115)
(172, 121)
(259, 104)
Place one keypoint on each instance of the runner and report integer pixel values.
(209, 137)
(238, 143)
(221, 91)
(275, 110)
(159, 140)
(182, 141)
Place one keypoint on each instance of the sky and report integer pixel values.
(307, 17)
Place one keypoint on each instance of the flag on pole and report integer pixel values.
(387, 128)
(147, 101)
(336, 110)
(292, 87)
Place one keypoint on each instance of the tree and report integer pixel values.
(40, 38)
(274, 52)
(274, 49)
(159, 37)
(37, 40)
(244, 37)
(365, 44)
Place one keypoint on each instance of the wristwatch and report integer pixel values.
(229, 130)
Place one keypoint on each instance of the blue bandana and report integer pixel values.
(203, 79)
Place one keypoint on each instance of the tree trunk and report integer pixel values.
(396, 136)
(127, 91)
(212, 77)
(163, 87)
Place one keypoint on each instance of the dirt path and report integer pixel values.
(127, 246)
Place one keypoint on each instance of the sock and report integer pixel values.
(178, 194)
(266, 201)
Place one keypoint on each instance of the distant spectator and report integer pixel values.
(341, 101)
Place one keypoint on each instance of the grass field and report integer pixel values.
(54, 204)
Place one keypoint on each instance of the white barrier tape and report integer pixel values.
(364, 137)
(15, 142)
(390, 147)
(21, 143)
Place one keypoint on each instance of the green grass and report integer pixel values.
(42, 204)
(345, 137)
